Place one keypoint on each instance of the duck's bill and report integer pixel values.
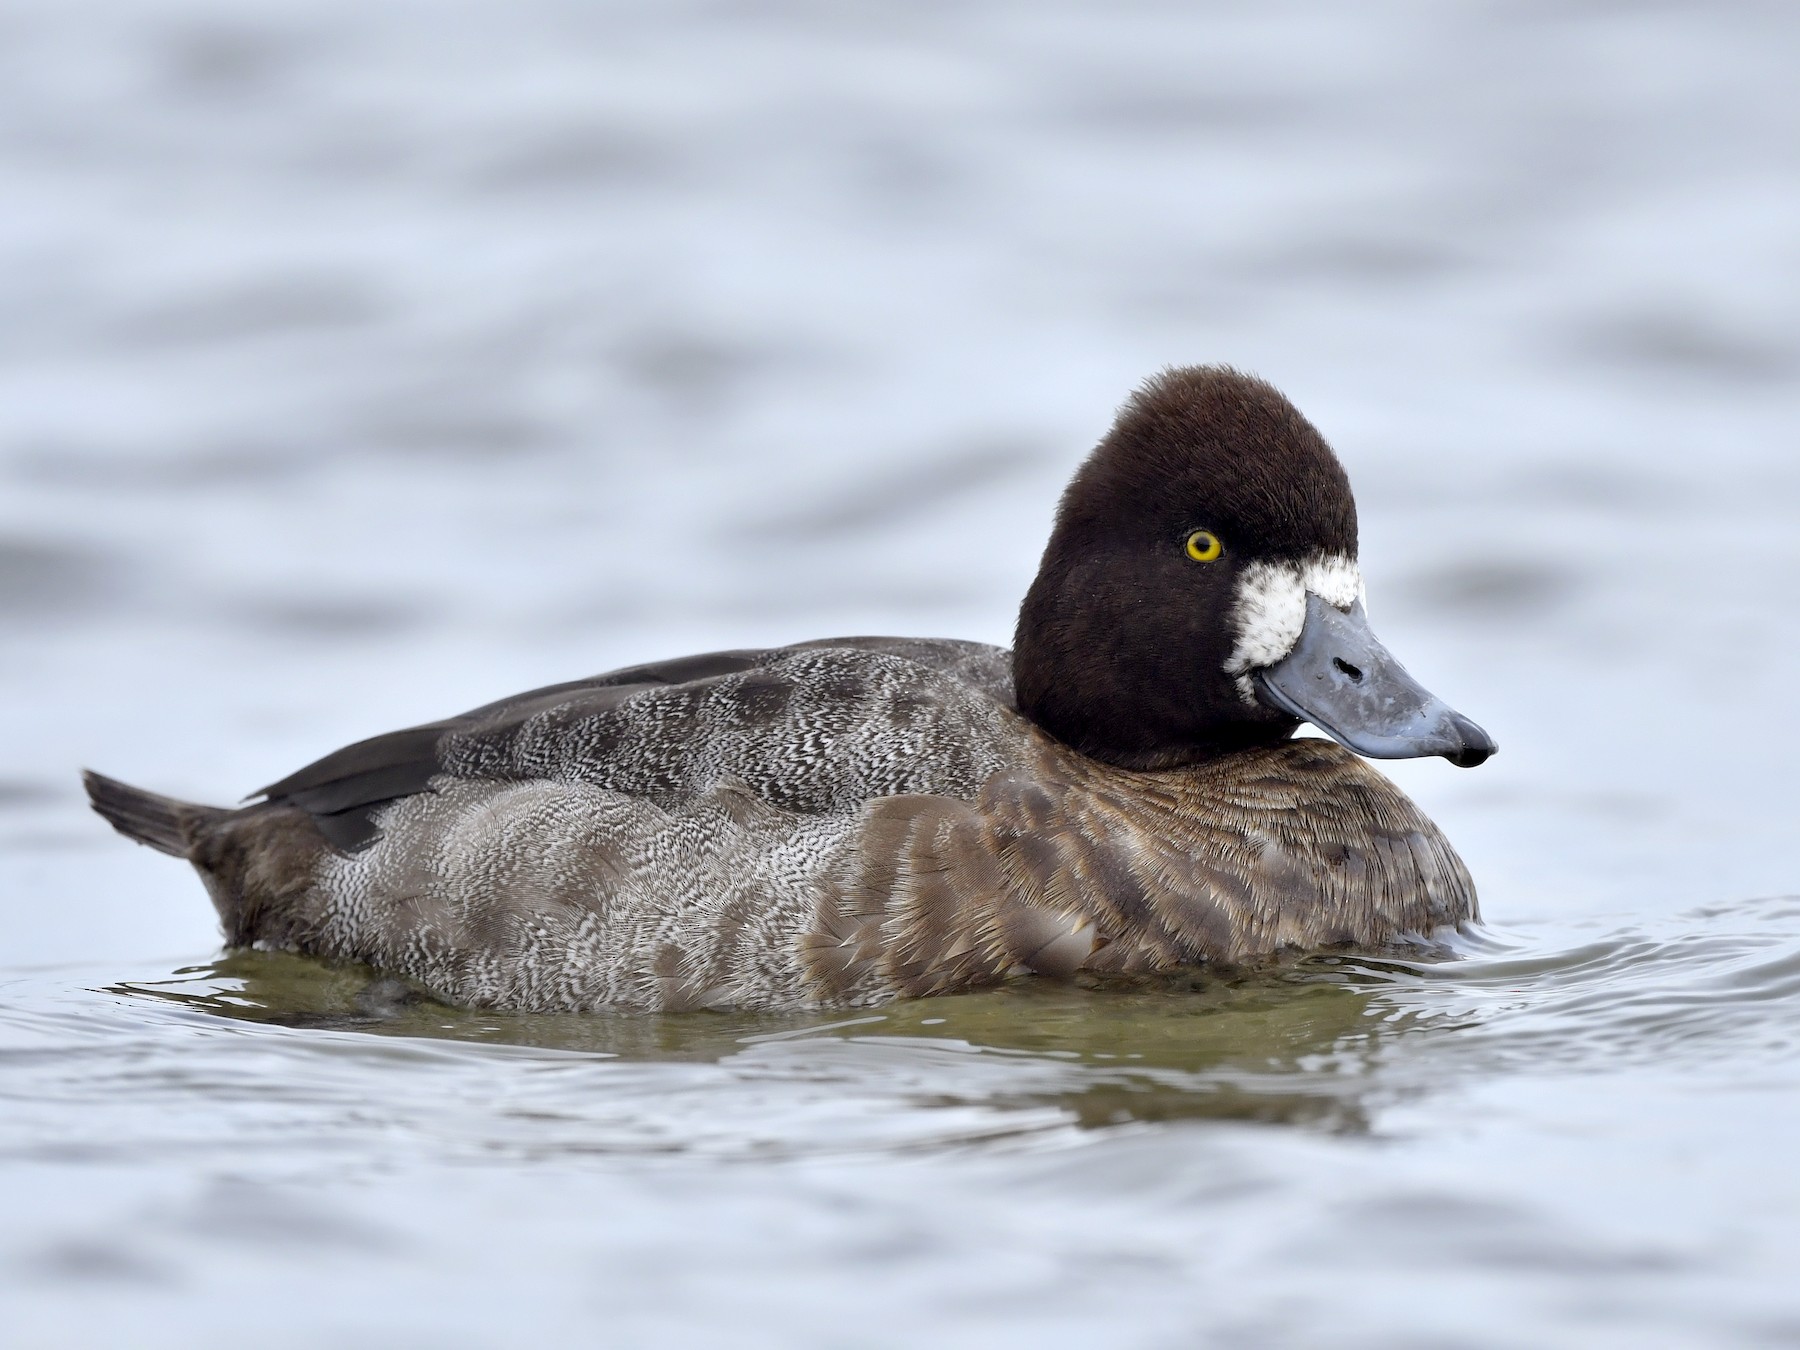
(1341, 679)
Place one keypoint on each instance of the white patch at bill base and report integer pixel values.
(1270, 609)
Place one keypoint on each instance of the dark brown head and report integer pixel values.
(1166, 619)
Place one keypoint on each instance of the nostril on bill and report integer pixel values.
(1354, 672)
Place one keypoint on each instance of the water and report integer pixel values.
(360, 363)
(1532, 1146)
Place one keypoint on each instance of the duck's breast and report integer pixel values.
(1066, 865)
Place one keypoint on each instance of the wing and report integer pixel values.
(809, 727)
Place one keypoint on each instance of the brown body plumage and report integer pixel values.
(1075, 866)
(845, 822)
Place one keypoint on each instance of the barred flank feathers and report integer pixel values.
(163, 823)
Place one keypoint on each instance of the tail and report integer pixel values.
(165, 824)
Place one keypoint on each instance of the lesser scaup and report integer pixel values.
(848, 821)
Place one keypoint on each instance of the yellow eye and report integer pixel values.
(1204, 546)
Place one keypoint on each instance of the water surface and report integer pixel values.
(1532, 1145)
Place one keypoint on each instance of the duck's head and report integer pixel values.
(1200, 593)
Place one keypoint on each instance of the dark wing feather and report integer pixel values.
(345, 789)
(677, 670)
(381, 768)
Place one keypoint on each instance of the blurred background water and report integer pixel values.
(362, 362)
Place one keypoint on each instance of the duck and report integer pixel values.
(844, 822)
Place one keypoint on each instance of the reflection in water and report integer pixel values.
(1330, 1044)
(1293, 1046)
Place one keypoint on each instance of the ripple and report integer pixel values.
(1333, 1045)
(1710, 987)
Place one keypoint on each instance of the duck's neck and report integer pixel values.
(1129, 688)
